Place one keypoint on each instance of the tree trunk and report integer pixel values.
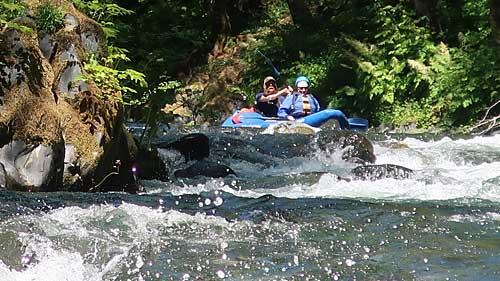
(495, 18)
(301, 14)
(428, 8)
(391, 2)
(458, 4)
(221, 24)
(455, 23)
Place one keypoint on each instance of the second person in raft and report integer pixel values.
(303, 106)
(268, 101)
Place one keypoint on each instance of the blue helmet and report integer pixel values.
(301, 78)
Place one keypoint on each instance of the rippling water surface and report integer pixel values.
(294, 221)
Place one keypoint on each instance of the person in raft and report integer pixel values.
(268, 101)
(304, 107)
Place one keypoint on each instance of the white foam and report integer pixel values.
(445, 169)
(59, 265)
(94, 243)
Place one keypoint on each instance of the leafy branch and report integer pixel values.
(103, 13)
(111, 80)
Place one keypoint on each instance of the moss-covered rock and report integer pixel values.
(67, 135)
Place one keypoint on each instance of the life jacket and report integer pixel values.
(306, 107)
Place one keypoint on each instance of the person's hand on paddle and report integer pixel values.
(290, 117)
(286, 91)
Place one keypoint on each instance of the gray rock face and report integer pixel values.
(12, 73)
(36, 167)
(90, 42)
(47, 46)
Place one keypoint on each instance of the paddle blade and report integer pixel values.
(236, 119)
(360, 124)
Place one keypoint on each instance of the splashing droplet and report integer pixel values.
(221, 274)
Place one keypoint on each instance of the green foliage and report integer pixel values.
(157, 98)
(392, 70)
(111, 80)
(104, 13)
(314, 68)
(167, 38)
(188, 103)
(408, 113)
(9, 10)
(274, 13)
(49, 18)
(405, 77)
(463, 90)
(465, 78)
(377, 61)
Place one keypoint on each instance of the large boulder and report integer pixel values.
(353, 146)
(258, 148)
(56, 130)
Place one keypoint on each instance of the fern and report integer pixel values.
(103, 13)
(111, 80)
(49, 18)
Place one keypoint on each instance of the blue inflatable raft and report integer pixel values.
(241, 119)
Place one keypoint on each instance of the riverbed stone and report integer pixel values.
(204, 168)
(376, 172)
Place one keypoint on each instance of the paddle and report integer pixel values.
(270, 63)
(262, 118)
(357, 123)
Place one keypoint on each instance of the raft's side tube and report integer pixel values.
(319, 118)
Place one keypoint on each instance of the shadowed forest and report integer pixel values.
(423, 64)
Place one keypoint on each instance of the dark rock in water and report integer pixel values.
(375, 172)
(204, 168)
(149, 165)
(192, 147)
(261, 149)
(356, 147)
(196, 146)
(278, 181)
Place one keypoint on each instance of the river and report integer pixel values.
(293, 221)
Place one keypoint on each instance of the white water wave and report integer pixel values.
(444, 169)
(482, 219)
(95, 243)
